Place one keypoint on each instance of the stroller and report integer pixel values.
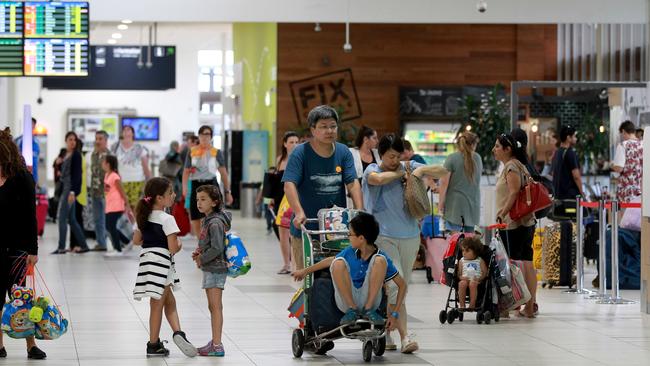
(487, 308)
(321, 315)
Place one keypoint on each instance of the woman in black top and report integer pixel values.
(18, 244)
(71, 183)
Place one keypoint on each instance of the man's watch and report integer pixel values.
(395, 314)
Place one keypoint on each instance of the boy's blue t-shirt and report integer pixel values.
(359, 267)
(320, 181)
(386, 203)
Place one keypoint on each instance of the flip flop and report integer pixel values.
(523, 315)
(283, 271)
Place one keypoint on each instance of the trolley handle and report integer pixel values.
(498, 226)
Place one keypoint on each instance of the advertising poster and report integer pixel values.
(254, 160)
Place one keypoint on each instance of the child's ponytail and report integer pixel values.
(155, 187)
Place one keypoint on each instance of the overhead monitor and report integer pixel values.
(11, 57)
(56, 19)
(11, 19)
(145, 128)
(56, 57)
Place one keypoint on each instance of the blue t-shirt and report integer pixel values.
(387, 203)
(359, 267)
(36, 150)
(320, 181)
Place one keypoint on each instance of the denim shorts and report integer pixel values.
(214, 280)
(359, 295)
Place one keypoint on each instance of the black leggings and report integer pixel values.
(111, 226)
(13, 265)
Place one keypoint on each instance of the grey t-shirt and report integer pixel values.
(463, 196)
(204, 163)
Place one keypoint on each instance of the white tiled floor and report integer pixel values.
(108, 327)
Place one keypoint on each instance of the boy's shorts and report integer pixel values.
(214, 280)
(359, 295)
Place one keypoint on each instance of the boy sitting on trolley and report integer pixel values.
(359, 273)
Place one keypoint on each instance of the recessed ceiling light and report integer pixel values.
(111, 41)
(122, 27)
(116, 35)
(127, 21)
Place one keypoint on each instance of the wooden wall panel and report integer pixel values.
(387, 56)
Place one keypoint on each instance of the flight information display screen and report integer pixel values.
(56, 19)
(11, 19)
(11, 57)
(56, 57)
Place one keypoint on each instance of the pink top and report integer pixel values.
(114, 201)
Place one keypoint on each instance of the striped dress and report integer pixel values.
(157, 269)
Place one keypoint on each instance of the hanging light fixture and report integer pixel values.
(347, 47)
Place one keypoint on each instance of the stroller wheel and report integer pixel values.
(379, 346)
(367, 351)
(487, 317)
(442, 316)
(451, 316)
(479, 317)
(460, 316)
(297, 343)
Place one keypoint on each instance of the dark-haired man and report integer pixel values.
(317, 174)
(97, 188)
(567, 180)
(628, 163)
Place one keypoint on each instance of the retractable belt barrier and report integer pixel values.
(602, 206)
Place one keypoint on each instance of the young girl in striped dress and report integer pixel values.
(157, 274)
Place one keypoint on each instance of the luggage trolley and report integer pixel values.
(330, 239)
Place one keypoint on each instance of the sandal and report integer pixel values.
(283, 271)
(523, 314)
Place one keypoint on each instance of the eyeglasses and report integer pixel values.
(325, 128)
(205, 134)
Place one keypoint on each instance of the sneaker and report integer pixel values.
(157, 349)
(373, 317)
(3, 352)
(350, 317)
(390, 343)
(211, 349)
(35, 353)
(128, 246)
(184, 345)
(409, 345)
(99, 248)
(114, 254)
(59, 251)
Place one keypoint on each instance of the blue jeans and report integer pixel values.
(111, 226)
(100, 220)
(67, 214)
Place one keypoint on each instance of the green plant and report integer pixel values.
(593, 142)
(487, 116)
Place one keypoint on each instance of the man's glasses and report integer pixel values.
(325, 128)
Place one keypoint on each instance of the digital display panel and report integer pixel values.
(11, 19)
(146, 128)
(56, 57)
(56, 19)
(11, 57)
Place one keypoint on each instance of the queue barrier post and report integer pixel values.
(580, 257)
(602, 231)
(615, 298)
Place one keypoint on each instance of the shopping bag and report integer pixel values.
(15, 313)
(297, 307)
(283, 218)
(181, 217)
(125, 226)
(520, 291)
(237, 256)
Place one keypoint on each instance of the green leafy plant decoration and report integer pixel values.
(593, 143)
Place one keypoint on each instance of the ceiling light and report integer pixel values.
(127, 21)
(534, 128)
(116, 35)
(317, 28)
(468, 128)
(111, 41)
(122, 27)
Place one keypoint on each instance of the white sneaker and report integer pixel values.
(128, 247)
(390, 343)
(114, 254)
(409, 345)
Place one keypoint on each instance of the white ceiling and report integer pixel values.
(372, 11)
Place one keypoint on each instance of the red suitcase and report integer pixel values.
(41, 212)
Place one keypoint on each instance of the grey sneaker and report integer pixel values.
(184, 345)
(409, 345)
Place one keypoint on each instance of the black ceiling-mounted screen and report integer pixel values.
(122, 68)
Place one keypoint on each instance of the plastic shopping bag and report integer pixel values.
(501, 257)
(520, 291)
(297, 307)
(15, 313)
(237, 256)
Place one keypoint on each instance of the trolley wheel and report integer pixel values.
(461, 315)
(379, 346)
(451, 316)
(442, 316)
(297, 343)
(479, 317)
(324, 348)
(367, 351)
(487, 317)
(429, 274)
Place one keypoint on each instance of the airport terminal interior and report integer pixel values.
(324, 182)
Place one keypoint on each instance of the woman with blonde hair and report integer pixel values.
(460, 189)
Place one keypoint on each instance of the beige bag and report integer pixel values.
(415, 195)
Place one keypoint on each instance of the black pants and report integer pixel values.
(117, 238)
(13, 265)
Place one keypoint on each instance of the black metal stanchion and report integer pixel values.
(615, 298)
(580, 257)
(602, 230)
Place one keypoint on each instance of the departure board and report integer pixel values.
(56, 57)
(11, 19)
(56, 19)
(11, 57)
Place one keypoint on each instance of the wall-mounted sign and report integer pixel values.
(336, 89)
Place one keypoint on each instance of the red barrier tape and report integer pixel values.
(630, 205)
(588, 204)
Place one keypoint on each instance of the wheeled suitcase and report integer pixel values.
(435, 253)
(558, 253)
(41, 212)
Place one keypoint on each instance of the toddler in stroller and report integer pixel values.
(472, 271)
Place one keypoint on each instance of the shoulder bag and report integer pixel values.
(532, 197)
(415, 194)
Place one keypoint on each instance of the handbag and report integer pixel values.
(415, 195)
(181, 217)
(169, 168)
(532, 198)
